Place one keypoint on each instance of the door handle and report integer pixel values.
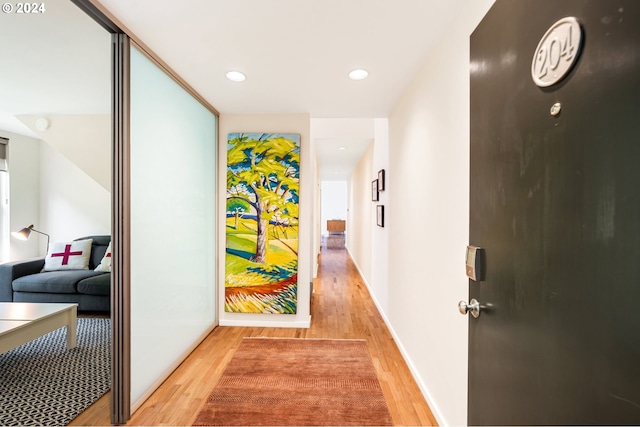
(473, 306)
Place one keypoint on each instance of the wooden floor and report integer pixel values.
(341, 308)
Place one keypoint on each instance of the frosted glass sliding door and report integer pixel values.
(173, 216)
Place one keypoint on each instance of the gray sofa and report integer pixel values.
(23, 281)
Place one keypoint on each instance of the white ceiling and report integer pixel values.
(47, 68)
(339, 145)
(296, 55)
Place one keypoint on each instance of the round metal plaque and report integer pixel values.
(557, 52)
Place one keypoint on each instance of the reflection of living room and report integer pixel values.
(77, 272)
(60, 183)
(55, 112)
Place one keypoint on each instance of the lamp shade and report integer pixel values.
(23, 234)
(26, 232)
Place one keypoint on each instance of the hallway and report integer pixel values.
(341, 308)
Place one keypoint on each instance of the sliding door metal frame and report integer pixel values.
(121, 268)
(97, 15)
(120, 216)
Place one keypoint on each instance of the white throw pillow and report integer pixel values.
(105, 264)
(68, 255)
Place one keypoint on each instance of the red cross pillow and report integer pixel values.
(105, 264)
(68, 255)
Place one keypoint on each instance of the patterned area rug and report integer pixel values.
(42, 383)
(335, 241)
(304, 382)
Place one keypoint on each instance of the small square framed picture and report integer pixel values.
(380, 215)
(381, 180)
(374, 191)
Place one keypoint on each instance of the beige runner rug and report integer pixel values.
(304, 382)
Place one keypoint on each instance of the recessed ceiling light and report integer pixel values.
(236, 76)
(342, 148)
(358, 74)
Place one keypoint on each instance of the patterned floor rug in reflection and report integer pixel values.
(42, 383)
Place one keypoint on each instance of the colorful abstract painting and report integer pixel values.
(263, 185)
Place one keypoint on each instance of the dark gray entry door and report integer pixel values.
(555, 202)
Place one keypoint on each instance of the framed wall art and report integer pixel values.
(380, 215)
(381, 184)
(263, 186)
(374, 191)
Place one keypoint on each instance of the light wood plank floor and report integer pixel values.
(341, 308)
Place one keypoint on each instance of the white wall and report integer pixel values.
(429, 217)
(367, 242)
(52, 193)
(317, 226)
(361, 217)
(84, 139)
(379, 283)
(24, 191)
(333, 201)
(71, 204)
(273, 123)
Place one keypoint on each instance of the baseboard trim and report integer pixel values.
(267, 323)
(437, 414)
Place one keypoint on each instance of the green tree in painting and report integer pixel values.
(237, 207)
(264, 173)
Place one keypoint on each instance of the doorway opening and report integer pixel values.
(333, 216)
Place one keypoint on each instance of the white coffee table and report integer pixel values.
(21, 322)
